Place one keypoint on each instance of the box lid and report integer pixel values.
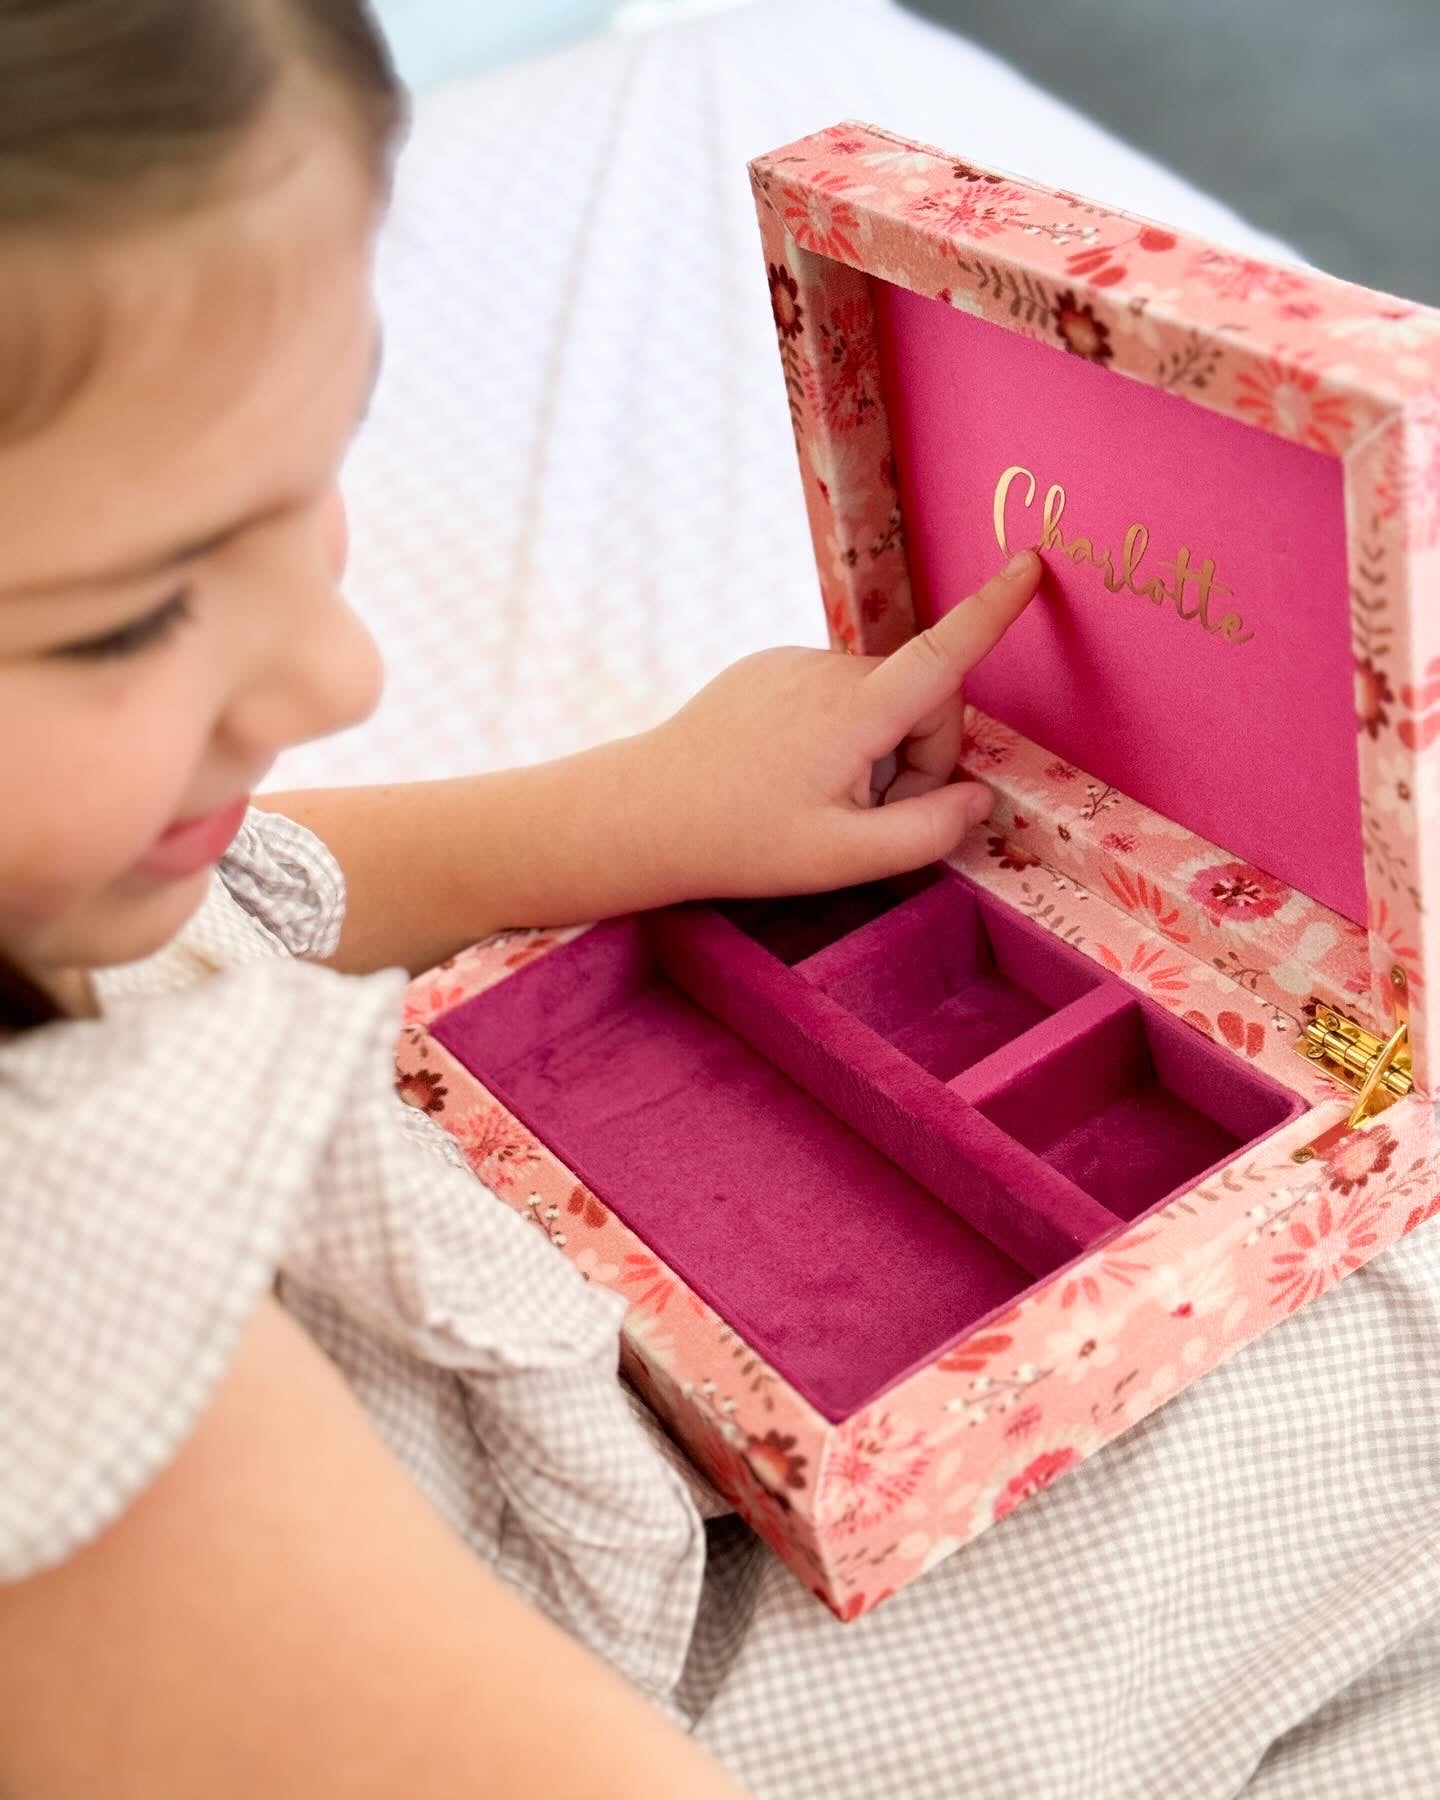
(1233, 468)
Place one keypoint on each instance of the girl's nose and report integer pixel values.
(335, 532)
(317, 669)
(326, 677)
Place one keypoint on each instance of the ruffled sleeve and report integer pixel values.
(283, 876)
(154, 1165)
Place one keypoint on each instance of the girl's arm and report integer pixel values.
(760, 785)
(281, 1613)
(431, 866)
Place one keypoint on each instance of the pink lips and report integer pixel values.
(187, 847)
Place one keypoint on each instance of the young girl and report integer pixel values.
(227, 1570)
(315, 1475)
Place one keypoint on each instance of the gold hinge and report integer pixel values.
(1376, 1070)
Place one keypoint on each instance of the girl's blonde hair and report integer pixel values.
(107, 106)
(113, 112)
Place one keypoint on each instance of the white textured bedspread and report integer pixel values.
(576, 497)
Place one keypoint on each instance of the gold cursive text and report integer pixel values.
(1183, 572)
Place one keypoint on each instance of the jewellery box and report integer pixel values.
(922, 1191)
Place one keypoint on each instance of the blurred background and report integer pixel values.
(1316, 119)
(576, 497)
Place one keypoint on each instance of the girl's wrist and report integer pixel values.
(656, 830)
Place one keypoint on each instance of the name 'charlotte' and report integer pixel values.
(1185, 575)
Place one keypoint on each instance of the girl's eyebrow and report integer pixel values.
(152, 566)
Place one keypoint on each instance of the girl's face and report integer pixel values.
(171, 540)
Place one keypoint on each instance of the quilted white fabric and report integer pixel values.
(576, 497)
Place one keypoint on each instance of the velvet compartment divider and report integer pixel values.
(1017, 1201)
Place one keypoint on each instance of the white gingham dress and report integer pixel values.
(1242, 1595)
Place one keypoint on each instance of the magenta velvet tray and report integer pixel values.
(963, 1099)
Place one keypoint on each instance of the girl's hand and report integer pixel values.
(762, 784)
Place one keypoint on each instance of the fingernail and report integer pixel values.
(1020, 562)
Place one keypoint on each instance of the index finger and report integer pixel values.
(927, 670)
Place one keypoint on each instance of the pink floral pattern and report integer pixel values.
(874, 1464)
(1034, 1478)
(1336, 1239)
(972, 209)
(1290, 399)
(820, 218)
(1026, 1395)
(843, 382)
(651, 1287)
(1234, 892)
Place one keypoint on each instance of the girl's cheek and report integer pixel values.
(55, 854)
(118, 762)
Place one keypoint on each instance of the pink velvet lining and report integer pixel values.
(855, 1156)
(1249, 743)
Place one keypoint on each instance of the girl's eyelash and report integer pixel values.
(130, 639)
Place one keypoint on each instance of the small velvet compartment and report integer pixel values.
(796, 926)
(947, 978)
(1133, 1105)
